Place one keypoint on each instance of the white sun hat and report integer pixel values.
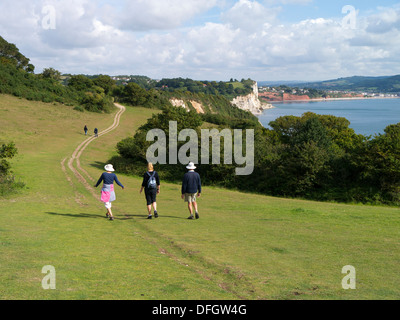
(191, 166)
(109, 168)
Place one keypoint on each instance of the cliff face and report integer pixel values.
(180, 103)
(251, 102)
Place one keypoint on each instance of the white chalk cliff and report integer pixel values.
(180, 103)
(251, 102)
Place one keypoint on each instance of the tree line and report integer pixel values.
(229, 89)
(316, 157)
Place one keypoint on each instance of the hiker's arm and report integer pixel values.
(199, 186)
(98, 182)
(119, 183)
(184, 186)
(143, 183)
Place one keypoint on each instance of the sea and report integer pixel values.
(367, 116)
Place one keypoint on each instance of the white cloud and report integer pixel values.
(142, 15)
(249, 15)
(386, 21)
(156, 38)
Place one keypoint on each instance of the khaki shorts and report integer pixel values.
(190, 197)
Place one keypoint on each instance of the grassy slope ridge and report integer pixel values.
(373, 84)
(244, 246)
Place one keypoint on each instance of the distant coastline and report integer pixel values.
(326, 99)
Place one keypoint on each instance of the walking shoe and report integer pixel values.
(191, 218)
(149, 217)
(197, 216)
(156, 214)
(111, 218)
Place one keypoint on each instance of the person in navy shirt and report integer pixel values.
(191, 190)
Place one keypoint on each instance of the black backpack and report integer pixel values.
(152, 183)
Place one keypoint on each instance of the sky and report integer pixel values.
(265, 40)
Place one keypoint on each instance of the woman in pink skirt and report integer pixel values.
(108, 193)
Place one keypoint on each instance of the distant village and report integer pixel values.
(289, 93)
(122, 79)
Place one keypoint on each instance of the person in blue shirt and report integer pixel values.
(191, 190)
(107, 192)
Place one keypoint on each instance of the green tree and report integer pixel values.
(30, 68)
(135, 94)
(80, 83)
(307, 157)
(7, 180)
(51, 73)
(7, 151)
(9, 52)
(105, 82)
(95, 100)
(379, 161)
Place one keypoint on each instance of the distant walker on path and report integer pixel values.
(86, 130)
(191, 190)
(96, 132)
(108, 193)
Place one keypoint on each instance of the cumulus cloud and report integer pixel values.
(244, 39)
(250, 15)
(142, 15)
(385, 21)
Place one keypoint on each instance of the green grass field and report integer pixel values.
(244, 246)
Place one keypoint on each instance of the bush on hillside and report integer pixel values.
(8, 184)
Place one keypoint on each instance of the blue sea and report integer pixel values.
(367, 116)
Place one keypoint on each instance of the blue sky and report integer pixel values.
(208, 39)
(329, 9)
(296, 11)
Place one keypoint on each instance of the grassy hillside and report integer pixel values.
(244, 246)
